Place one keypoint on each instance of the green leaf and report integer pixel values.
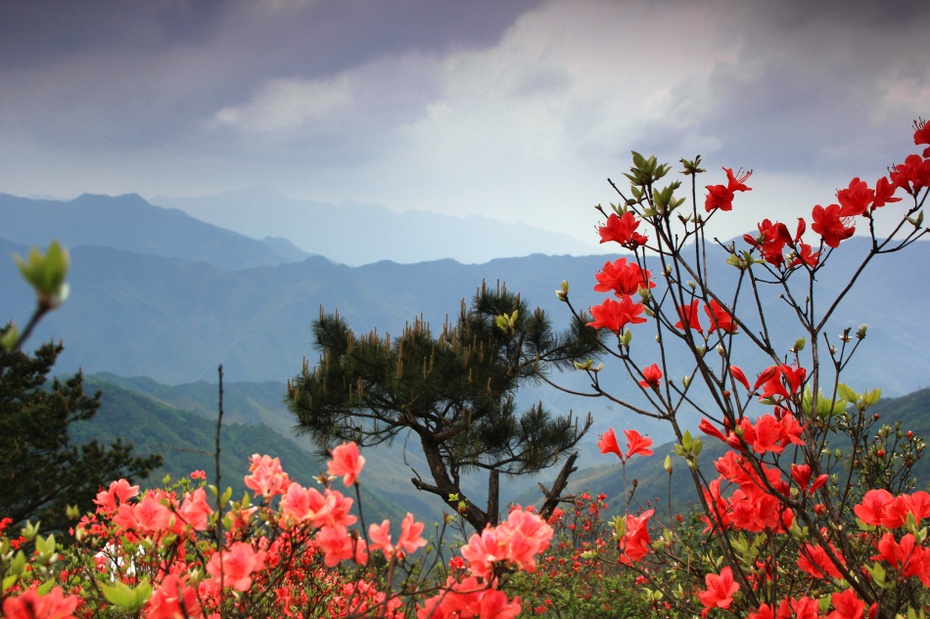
(130, 599)
(847, 394)
(10, 338)
(18, 566)
(9, 581)
(46, 272)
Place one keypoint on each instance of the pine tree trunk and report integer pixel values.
(494, 490)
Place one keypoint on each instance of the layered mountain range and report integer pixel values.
(159, 299)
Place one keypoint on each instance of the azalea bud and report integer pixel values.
(668, 464)
(627, 337)
(686, 380)
(619, 525)
(721, 350)
(563, 292)
(860, 332)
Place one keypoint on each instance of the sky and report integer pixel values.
(513, 109)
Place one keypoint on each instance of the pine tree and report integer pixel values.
(454, 392)
(41, 471)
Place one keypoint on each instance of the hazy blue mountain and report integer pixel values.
(129, 222)
(358, 234)
(175, 321)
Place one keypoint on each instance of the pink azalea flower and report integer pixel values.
(346, 463)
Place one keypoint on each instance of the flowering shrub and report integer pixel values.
(809, 512)
(575, 578)
(166, 553)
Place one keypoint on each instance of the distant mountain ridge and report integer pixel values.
(129, 222)
(358, 234)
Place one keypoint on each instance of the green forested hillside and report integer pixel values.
(187, 440)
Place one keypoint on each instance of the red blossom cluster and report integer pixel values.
(721, 196)
(637, 445)
(622, 278)
(766, 491)
(836, 222)
(622, 229)
(279, 550)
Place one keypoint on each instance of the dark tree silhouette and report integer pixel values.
(454, 391)
(41, 471)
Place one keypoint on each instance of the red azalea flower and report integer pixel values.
(346, 463)
(614, 315)
(709, 429)
(236, 564)
(173, 598)
(720, 318)
(830, 225)
(770, 242)
(636, 542)
(652, 376)
(689, 315)
(266, 477)
(815, 561)
(636, 444)
(718, 197)
(856, 199)
(624, 279)
(847, 605)
(912, 175)
(737, 373)
(607, 443)
(721, 196)
(922, 135)
(884, 192)
(31, 605)
(720, 590)
(806, 255)
(780, 380)
(622, 230)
